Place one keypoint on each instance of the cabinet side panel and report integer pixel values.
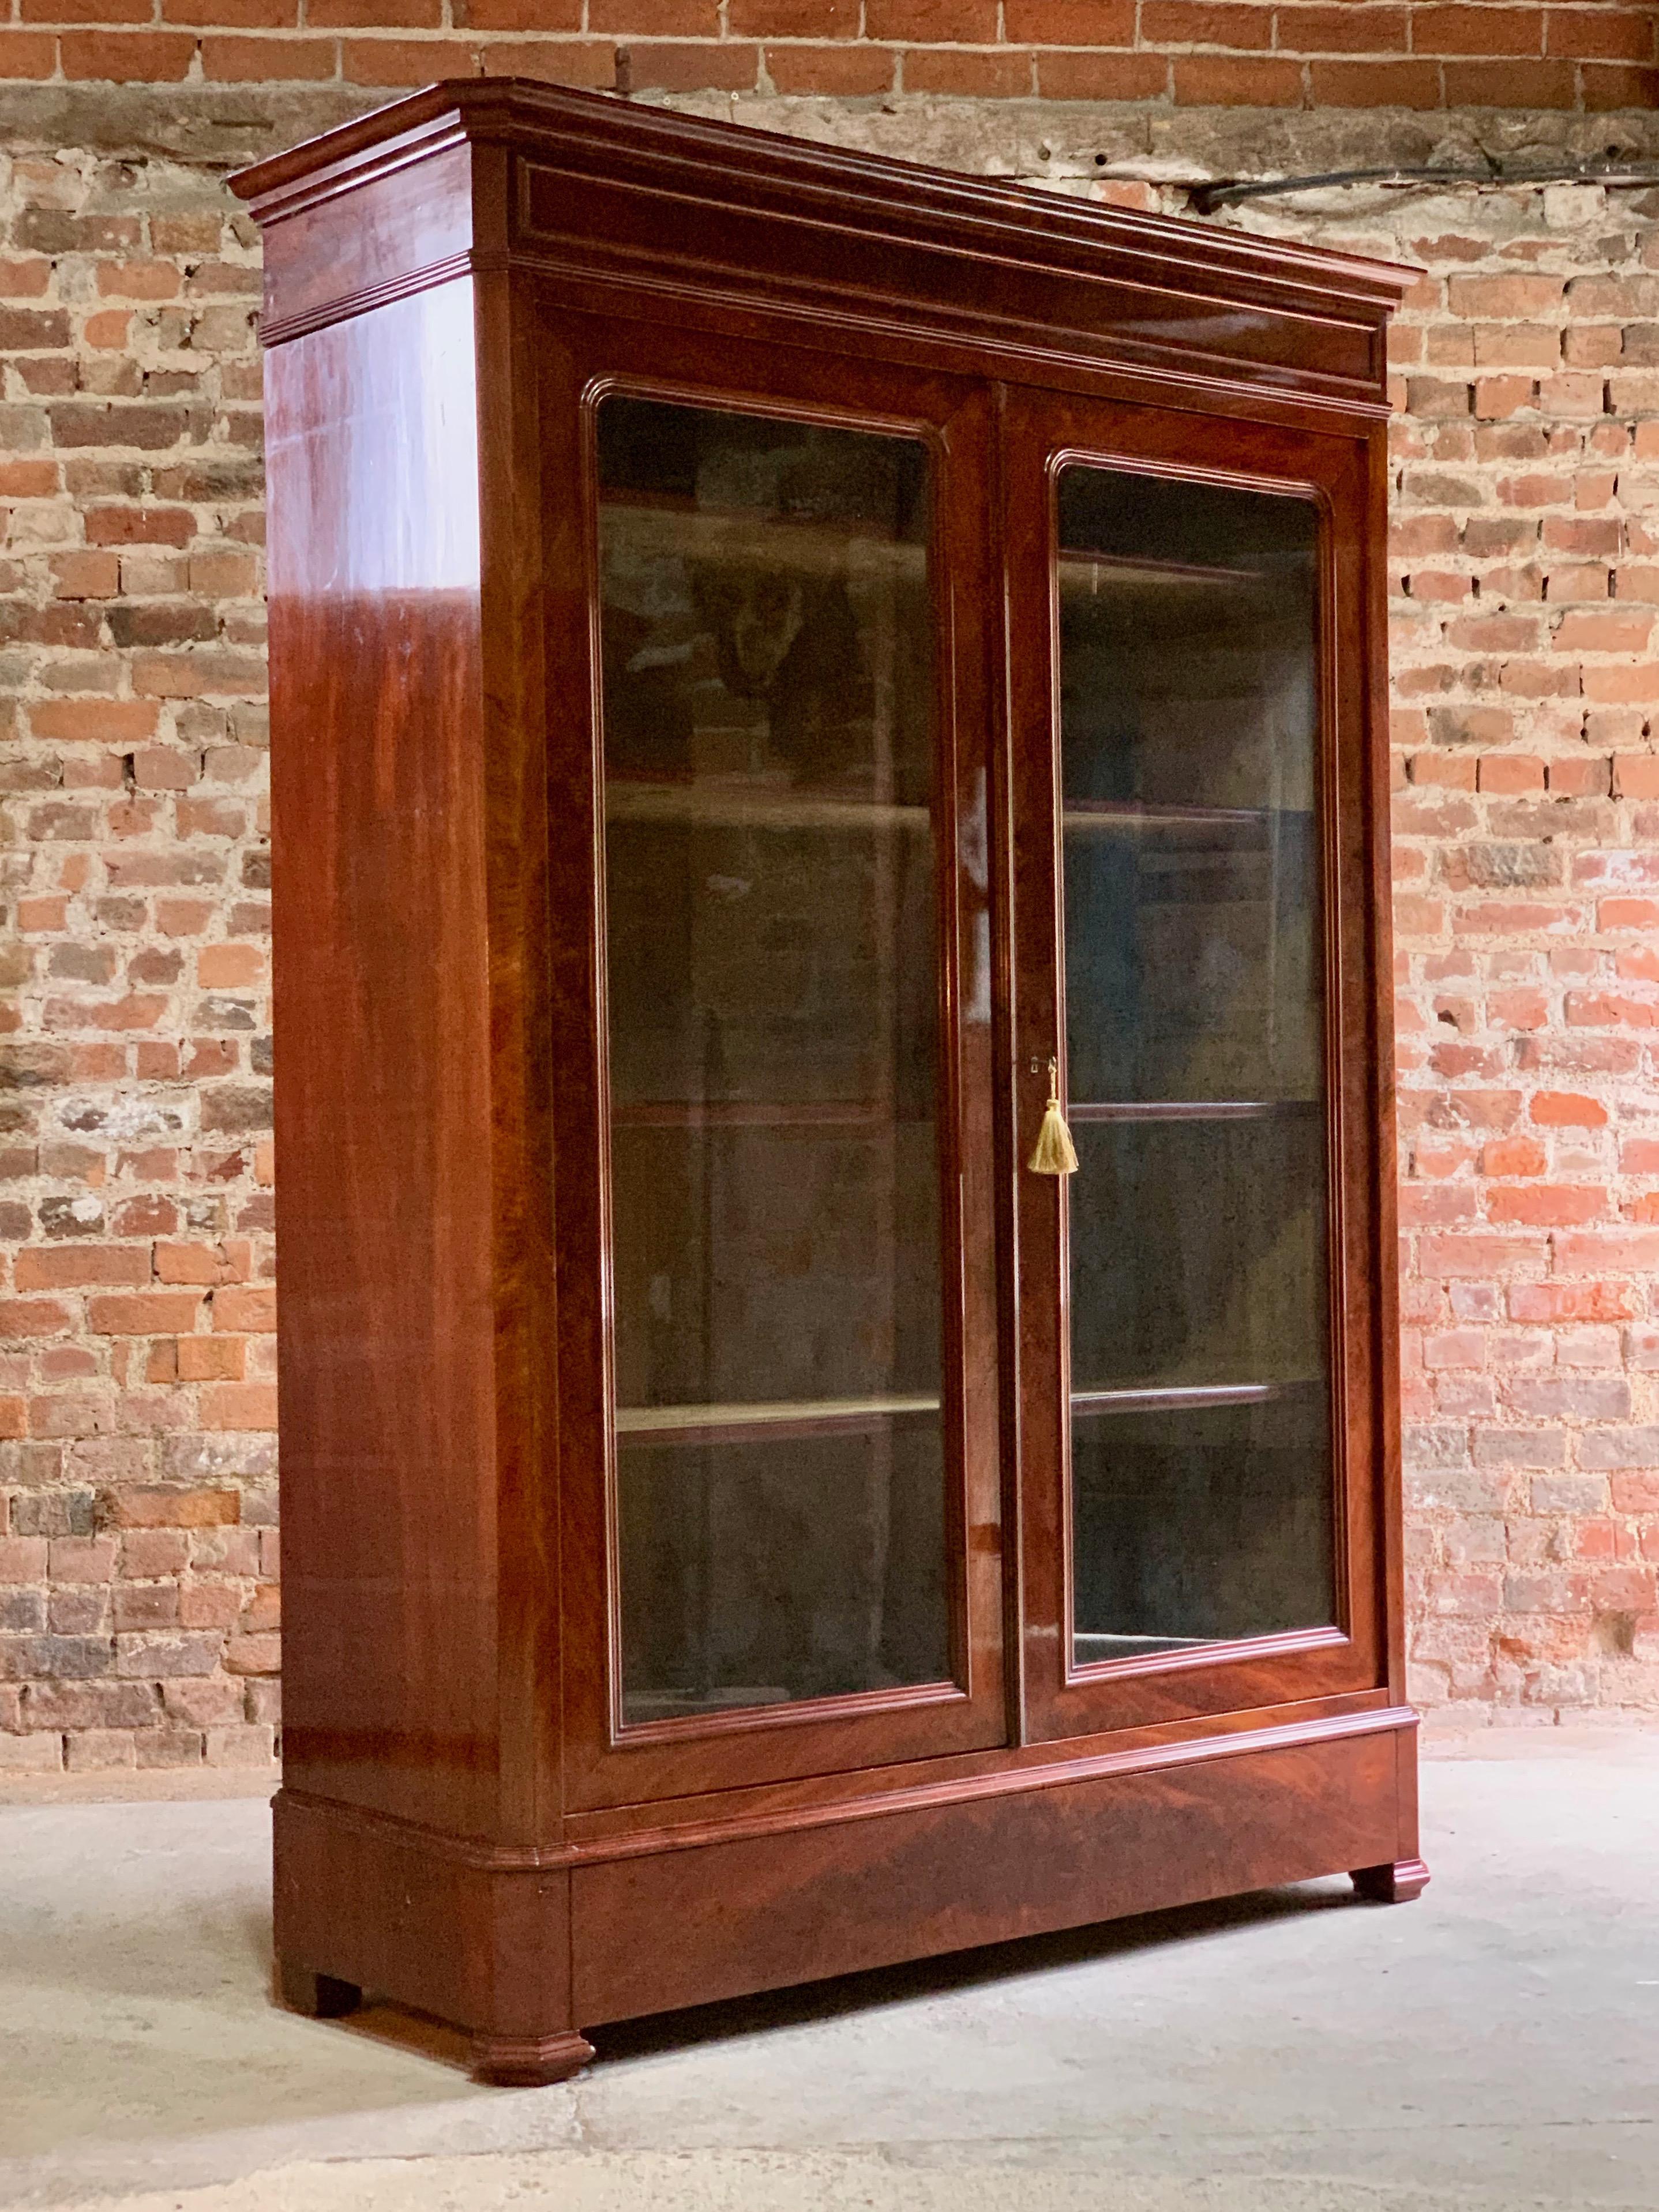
(383, 1096)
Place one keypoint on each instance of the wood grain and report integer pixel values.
(385, 1203)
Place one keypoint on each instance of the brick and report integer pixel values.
(249, 1308)
(1477, 30)
(581, 62)
(24, 1318)
(1616, 86)
(37, 1754)
(679, 19)
(789, 19)
(126, 57)
(167, 1507)
(845, 71)
(207, 1264)
(27, 54)
(1094, 76)
(1567, 1109)
(248, 1744)
(414, 16)
(22, 1559)
(1599, 34)
(1619, 1448)
(254, 1654)
(1511, 84)
(1375, 84)
(1353, 27)
(150, 1657)
(156, 1313)
(263, 61)
(944, 22)
(1201, 23)
(70, 1266)
(1213, 81)
(228, 14)
(139, 525)
(999, 76)
(239, 1406)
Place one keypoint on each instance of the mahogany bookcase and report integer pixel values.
(794, 673)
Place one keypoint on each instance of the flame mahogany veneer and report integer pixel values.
(464, 1826)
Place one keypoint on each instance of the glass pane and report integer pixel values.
(1213, 1479)
(1201, 1460)
(1198, 1252)
(768, 649)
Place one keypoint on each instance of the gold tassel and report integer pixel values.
(1054, 1153)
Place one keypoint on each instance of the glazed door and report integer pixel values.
(1200, 1412)
(777, 1338)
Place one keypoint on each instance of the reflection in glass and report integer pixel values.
(768, 687)
(1201, 1464)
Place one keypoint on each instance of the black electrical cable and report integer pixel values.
(1228, 191)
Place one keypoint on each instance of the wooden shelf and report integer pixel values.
(749, 807)
(1075, 563)
(761, 538)
(745, 805)
(1133, 812)
(1086, 816)
(772, 1422)
(1193, 1109)
(1188, 1397)
(1090, 1648)
(752, 1114)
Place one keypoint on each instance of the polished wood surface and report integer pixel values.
(603, 1762)
(703, 208)
(908, 1884)
(1393, 1884)
(386, 1390)
(469, 1823)
(1060, 1699)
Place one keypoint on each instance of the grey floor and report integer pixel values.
(1495, 2044)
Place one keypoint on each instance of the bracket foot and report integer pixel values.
(1395, 1883)
(529, 2061)
(318, 1996)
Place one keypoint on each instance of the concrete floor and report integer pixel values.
(1495, 2044)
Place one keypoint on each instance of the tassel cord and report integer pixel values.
(1053, 1154)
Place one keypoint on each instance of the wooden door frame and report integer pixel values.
(606, 1763)
(1042, 432)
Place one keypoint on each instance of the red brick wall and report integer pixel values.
(1526, 545)
(1591, 54)
(136, 1607)
(137, 1562)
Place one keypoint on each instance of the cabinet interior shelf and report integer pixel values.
(1082, 814)
(1077, 562)
(1188, 1397)
(750, 806)
(746, 803)
(877, 1114)
(655, 524)
(781, 1419)
(1191, 1109)
(775, 1420)
(752, 1114)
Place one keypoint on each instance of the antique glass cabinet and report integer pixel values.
(784, 665)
